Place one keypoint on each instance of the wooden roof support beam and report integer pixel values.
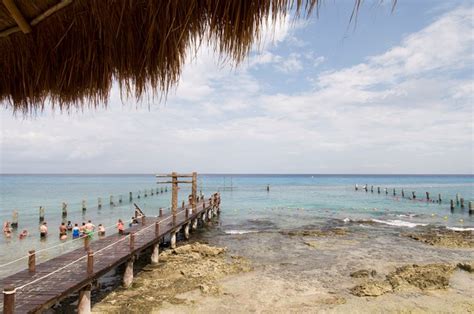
(17, 16)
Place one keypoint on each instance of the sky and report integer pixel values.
(389, 93)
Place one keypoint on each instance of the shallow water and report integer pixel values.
(294, 201)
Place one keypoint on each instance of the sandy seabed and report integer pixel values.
(336, 270)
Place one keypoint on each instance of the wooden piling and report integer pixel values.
(378, 189)
(132, 241)
(84, 302)
(31, 261)
(64, 209)
(174, 219)
(130, 196)
(427, 196)
(9, 300)
(394, 193)
(90, 262)
(145, 193)
(87, 241)
(120, 199)
(157, 228)
(471, 209)
(99, 202)
(403, 193)
(41, 213)
(161, 212)
(413, 195)
(372, 189)
(457, 199)
(128, 274)
(452, 204)
(174, 192)
(386, 191)
(462, 202)
(14, 223)
(173, 240)
(138, 195)
(111, 202)
(84, 207)
(356, 187)
(268, 188)
(155, 254)
(439, 197)
(186, 231)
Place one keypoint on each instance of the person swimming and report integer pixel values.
(23, 234)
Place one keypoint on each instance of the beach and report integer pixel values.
(338, 269)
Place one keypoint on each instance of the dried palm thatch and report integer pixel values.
(70, 52)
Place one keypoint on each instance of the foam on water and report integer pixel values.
(240, 231)
(399, 223)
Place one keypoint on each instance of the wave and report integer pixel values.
(460, 228)
(240, 231)
(399, 223)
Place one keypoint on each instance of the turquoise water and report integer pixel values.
(293, 201)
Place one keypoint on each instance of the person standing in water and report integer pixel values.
(76, 233)
(43, 230)
(62, 231)
(120, 226)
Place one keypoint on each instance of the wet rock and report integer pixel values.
(444, 238)
(426, 277)
(316, 232)
(312, 244)
(467, 266)
(371, 289)
(364, 273)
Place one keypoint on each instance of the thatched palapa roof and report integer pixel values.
(70, 52)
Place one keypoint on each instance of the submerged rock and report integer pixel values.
(316, 232)
(467, 266)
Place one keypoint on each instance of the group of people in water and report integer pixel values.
(76, 230)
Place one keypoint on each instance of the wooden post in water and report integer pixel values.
(174, 219)
(457, 199)
(128, 274)
(372, 189)
(9, 300)
(151, 192)
(161, 191)
(130, 196)
(161, 212)
(452, 204)
(394, 193)
(145, 194)
(14, 223)
(439, 197)
(41, 213)
(84, 302)
(427, 196)
(31, 261)
(64, 209)
(471, 208)
(90, 262)
(403, 193)
(462, 202)
(378, 189)
(166, 189)
(120, 199)
(99, 202)
(356, 187)
(84, 207)
(174, 193)
(413, 195)
(138, 195)
(194, 191)
(111, 200)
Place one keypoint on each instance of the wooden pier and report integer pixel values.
(41, 286)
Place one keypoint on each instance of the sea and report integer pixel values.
(250, 203)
